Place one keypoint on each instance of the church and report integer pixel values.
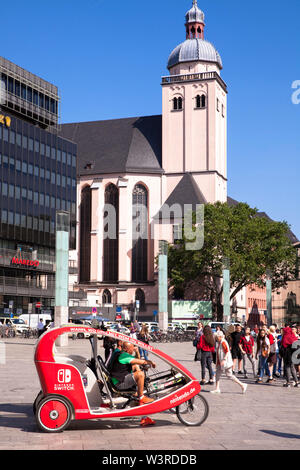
(132, 171)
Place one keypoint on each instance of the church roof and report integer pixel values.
(194, 50)
(186, 192)
(118, 145)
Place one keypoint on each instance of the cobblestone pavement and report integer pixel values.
(265, 418)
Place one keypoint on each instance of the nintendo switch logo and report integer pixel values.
(64, 376)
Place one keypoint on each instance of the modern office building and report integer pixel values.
(37, 178)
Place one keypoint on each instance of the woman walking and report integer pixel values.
(262, 353)
(286, 352)
(224, 363)
(206, 345)
(247, 347)
(144, 336)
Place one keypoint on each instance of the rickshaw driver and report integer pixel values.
(126, 373)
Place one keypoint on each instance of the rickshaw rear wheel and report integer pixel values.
(194, 411)
(38, 398)
(53, 413)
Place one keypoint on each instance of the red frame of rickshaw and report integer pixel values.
(48, 370)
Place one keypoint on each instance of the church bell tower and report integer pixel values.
(194, 113)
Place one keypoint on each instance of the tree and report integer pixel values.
(252, 243)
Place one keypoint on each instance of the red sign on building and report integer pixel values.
(25, 262)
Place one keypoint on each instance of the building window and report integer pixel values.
(85, 234)
(106, 297)
(140, 296)
(139, 265)
(111, 234)
(177, 103)
(200, 101)
(218, 104)
(177, 232)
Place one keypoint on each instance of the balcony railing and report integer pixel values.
(190, 77)
(27, 287)
(37, 287)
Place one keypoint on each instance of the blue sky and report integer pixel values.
(107, 58)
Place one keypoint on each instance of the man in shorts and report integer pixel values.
(126, 373)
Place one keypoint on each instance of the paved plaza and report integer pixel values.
(265, 418)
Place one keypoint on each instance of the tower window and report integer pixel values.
(177, 103)
(200, 101)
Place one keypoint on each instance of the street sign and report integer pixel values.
(94, 311)
(137, 304)
(38, 304)
(155, 312)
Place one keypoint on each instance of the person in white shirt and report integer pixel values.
(224, 363)
(40, 327)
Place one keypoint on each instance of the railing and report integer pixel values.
(190, 77)
(27, 287)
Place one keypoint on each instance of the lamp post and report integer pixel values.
(163, 285)
(269, 296)
(61, 315)
(226, 289)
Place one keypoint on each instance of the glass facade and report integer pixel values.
(37, 178)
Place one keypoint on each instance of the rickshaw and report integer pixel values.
(74, 387)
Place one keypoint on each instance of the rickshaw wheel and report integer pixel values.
(193, 412)
(38, 398)
(53, 414)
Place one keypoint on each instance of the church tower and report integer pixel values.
(194, 113)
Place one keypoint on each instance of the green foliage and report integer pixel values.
(253, 243)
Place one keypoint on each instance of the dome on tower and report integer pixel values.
(194, 15)
(194, 50)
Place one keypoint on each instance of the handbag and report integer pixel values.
(198, 355)
(195, 342)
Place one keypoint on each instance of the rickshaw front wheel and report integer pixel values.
(194, 411)
(53, 414)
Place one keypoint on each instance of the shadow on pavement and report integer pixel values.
(20, 416)
(285, 435)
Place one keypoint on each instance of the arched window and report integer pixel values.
(140, 295)
(111, 234)
(139, 233)
(177, 103)
(200, 101)
(106, 297)
(85, 235)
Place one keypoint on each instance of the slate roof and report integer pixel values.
(118, 145)
(186, 192)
